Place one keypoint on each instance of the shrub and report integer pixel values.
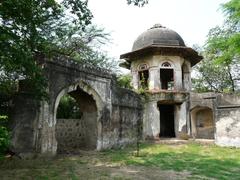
(184, 136)
(4, 136)
(68, 108)
(124, 81)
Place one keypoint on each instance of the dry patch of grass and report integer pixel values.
(156, 161)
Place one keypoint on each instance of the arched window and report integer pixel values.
(142, 67)
(143, 75)
(167, 76)
(166, 64)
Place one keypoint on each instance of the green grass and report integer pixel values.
(199, 161)
(202, 160)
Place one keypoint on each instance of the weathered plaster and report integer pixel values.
(66, 76)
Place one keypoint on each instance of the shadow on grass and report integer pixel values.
(209, 166)
(204, 161)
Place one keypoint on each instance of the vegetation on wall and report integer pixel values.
(4, 134)
(124, 81)
(68, 108)
(31, 30)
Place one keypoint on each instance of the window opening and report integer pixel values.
(142, 67)
(167, 80)
(143, 79)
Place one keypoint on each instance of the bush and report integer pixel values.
(4, 136)
(124, 81)
(68, 108)
(184, 136)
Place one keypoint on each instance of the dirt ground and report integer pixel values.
(156, 161)
(86, 165)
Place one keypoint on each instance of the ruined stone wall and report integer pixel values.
(117, 112)
(204, 124)
(66, 76)
(126, 117)
(70, 134)
(202, 99)
(227, 119)
(74, 134)
(24, 124)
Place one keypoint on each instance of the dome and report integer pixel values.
(158, 35)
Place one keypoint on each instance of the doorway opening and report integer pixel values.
(202, 123)
(167, 125)
(167, 80)
(76, 127)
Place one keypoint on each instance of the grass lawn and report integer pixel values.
(156, 161)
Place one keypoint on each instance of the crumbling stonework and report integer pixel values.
(74, 134)
(227, 119)
(224, 109)
(160, 65)
(117, 111)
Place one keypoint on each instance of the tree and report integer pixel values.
(139, 3)
(225, 40)
(214, 77)
(33, 29)
(219, 70)
(68, 108)
(30, 29)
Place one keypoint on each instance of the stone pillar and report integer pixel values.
(135, 80)
(187, 81)
(187, 76)
(178, 79)
(151, 120)
(182, 122)
(47, 139)
(154, 78)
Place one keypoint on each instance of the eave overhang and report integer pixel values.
(185, 52)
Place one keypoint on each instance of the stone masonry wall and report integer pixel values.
(204, 123)
(126, 115)
(228, 127)
(23, 123)
(227, 120)
(70, 134)
(117, 112)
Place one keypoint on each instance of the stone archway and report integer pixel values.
(202, 122)
(82, 133)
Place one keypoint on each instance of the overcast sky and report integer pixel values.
(192, 19)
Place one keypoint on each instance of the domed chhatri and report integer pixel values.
(160, 40)
(160, 65)
(158, 35)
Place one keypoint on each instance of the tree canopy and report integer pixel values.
(219, 71)
(33, 29)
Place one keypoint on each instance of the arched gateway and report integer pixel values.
(109, 114)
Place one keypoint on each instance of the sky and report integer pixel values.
(192, 19)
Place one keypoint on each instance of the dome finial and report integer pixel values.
(157, 26)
